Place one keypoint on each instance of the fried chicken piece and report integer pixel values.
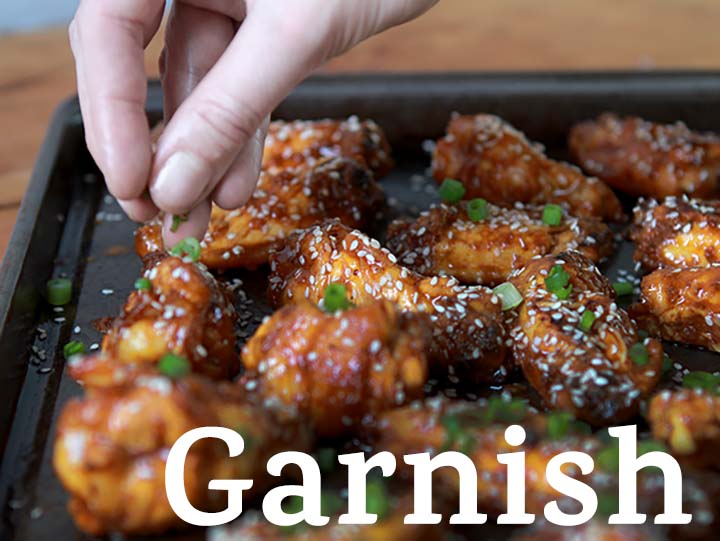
(644, 158)
(282, 203)
(679, 232)
(497, 162)
(590, 373)
(446, 241)
(681, 305)
(336, 369)
(595, 530)
(688, 420)
(186, 312)
(111, 447)
(466, 322)
(302, 143)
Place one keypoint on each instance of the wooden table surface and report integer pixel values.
(36, 70)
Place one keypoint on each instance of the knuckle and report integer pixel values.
(231, 123)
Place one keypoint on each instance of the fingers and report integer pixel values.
(108, 39)
(140, 209)
(224, 112)
(238, 184)
(193, 224)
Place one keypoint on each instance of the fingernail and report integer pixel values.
(181, 182)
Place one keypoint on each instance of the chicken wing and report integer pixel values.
(111, 447)
(594, 530)
(303, 143)
(594, 366)
(336, 369)
(681, 305)
(282, 203)
(466, 322)
(185, 311)
(446, 241)
(496, 162)
(644, 158)
(679, 232)
(688, 420)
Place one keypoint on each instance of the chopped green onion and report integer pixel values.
(558, 282)
(558, 424)
(477, 210)
(608, 504)
(143, 284)
(326, 459)
(376, 499)
(330, 504)
(59, 291)
(650, 446)
(623, 288)
(73, 348)
(336, 298)
(507, 411)
(451, 191)
(453, 431)
(189, 247)
(667, 363)
(552, 215)
(609, 458)
(509, 295)
(639, 354)
(587, 320)
(702, 380)
(178, 219)
(173, 366)
(292, 504)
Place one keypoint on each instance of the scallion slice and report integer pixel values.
(477, 210)
(558, 282)
(451, 191)
(509, 295)
(638, 353)
(552, 215)
(73, 348)
(178, 219)
(336, 298)
(59, 291)
(702, 380)
(623, 288)
(189, 247)
(587, 320)
(143, 284)
(376, 499)
(173, 366)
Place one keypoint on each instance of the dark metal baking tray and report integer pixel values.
(68, 226)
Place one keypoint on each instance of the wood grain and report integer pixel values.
(36, 70)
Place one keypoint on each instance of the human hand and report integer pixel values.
(225, 66)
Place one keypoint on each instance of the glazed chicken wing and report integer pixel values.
(282, 203)
(303, 143)
(679, 232)
(596, 529)
(111, 448)
(594, 366)
(466, 321)
(643, 158)
(496, 162)
(446, 241)
(336, 369)
(688, 420)
(185, 311)
(681, 305)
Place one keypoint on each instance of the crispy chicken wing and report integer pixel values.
(303, 143)
(336, 369)
(681, 305)
(466, 321)
(111, 448)
(595, 373)
(643, 158)
(688, 420)
(282, 203)
(445, 241)
(185, 312)
(496, 162)
(679, 232)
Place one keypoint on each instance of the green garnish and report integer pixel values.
(609, 458)
(509, 295)
(178, 219)
(451, 191)
(558, 282)
(73, 348)
(189, 247)
(608, 504)
(330, 504)
(173, 366)
(558, 424)
(335, 298)
(506, 411)
(667, 363)
(143, 284)
(623, 288)
(702, 380)
(59, 291)
(477, 210)
(326, 459)
(587, 320)
(376, 499)
(638, 353)
(292, 504)
(552, 215)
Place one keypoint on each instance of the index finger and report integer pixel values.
(108, 40)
